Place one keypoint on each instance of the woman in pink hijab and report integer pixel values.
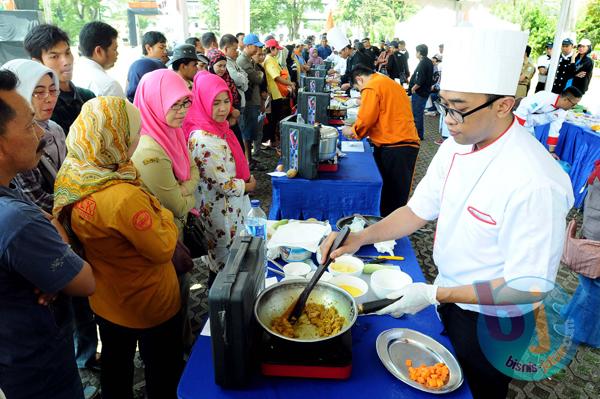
(163, 160)
(162, 157)
(225, 178)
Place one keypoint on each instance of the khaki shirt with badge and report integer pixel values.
(527, 72)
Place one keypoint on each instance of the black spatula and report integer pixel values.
(301, 302)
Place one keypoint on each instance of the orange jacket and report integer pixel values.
(385, 114)
(129, 240)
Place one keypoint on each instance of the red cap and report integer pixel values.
(273, 43)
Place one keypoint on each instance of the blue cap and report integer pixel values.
(255, 203)
(567, 42)
(252, 40)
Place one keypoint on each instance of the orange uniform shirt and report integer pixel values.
(385, 114)
(129, 240)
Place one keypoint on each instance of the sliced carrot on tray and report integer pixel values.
(435, 376)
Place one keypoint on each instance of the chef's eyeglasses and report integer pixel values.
(186, 104)
(573, 102)
(458, 116)
(42, 95)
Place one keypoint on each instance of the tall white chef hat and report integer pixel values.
(336, 37)
(483, 60)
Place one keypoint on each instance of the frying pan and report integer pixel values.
(275, 300)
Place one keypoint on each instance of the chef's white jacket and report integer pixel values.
(500, 213)
(540, 109)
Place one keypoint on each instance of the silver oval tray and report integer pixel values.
(398, 344)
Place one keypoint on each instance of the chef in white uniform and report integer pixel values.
(499, 198)
(546, 107)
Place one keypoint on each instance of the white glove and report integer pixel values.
(415, 297)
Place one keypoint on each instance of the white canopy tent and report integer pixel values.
(429, 25)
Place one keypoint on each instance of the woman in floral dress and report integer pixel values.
(225, 178)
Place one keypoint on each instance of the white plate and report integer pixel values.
(398, 344)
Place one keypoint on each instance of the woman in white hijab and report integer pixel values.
(39, 85)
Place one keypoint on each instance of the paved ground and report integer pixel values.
(581, 379)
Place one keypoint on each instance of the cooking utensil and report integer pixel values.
(275, 300)
(273, 261)
(327, 142)
(382, 257)
(276, 271)
(374, 306)
(398, 344)
(325, 277)
(299, 306)
(336, 112)
(347, 220)
(375, 261)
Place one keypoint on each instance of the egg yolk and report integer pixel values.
(343, 267)
(351, 290)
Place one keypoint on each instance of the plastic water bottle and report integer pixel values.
(256, 221)
(256, 225)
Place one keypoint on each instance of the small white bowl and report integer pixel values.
(386, 281)
(342, 280)
(352, 266)
(300, 269)
(326, 277)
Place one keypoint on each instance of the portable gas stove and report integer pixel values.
(331, 165)
(330, 359)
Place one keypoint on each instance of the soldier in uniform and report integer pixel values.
(527, 72)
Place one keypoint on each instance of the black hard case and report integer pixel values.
(317, 87)
(321, 101)
(316, 73)
(233, 328)
(308, 146)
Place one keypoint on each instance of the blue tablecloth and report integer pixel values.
(370, 379)
(579, 146)
(354, 188)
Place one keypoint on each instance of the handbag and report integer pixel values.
(193, 237)
(283, 89)
(581, 255)
(182, 259)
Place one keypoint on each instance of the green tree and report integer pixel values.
(210, 14)
(538, 16)
(364, 13)
(589, 27)
(376, 19)
(266, 15)
(71, 15)
(401, 9)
